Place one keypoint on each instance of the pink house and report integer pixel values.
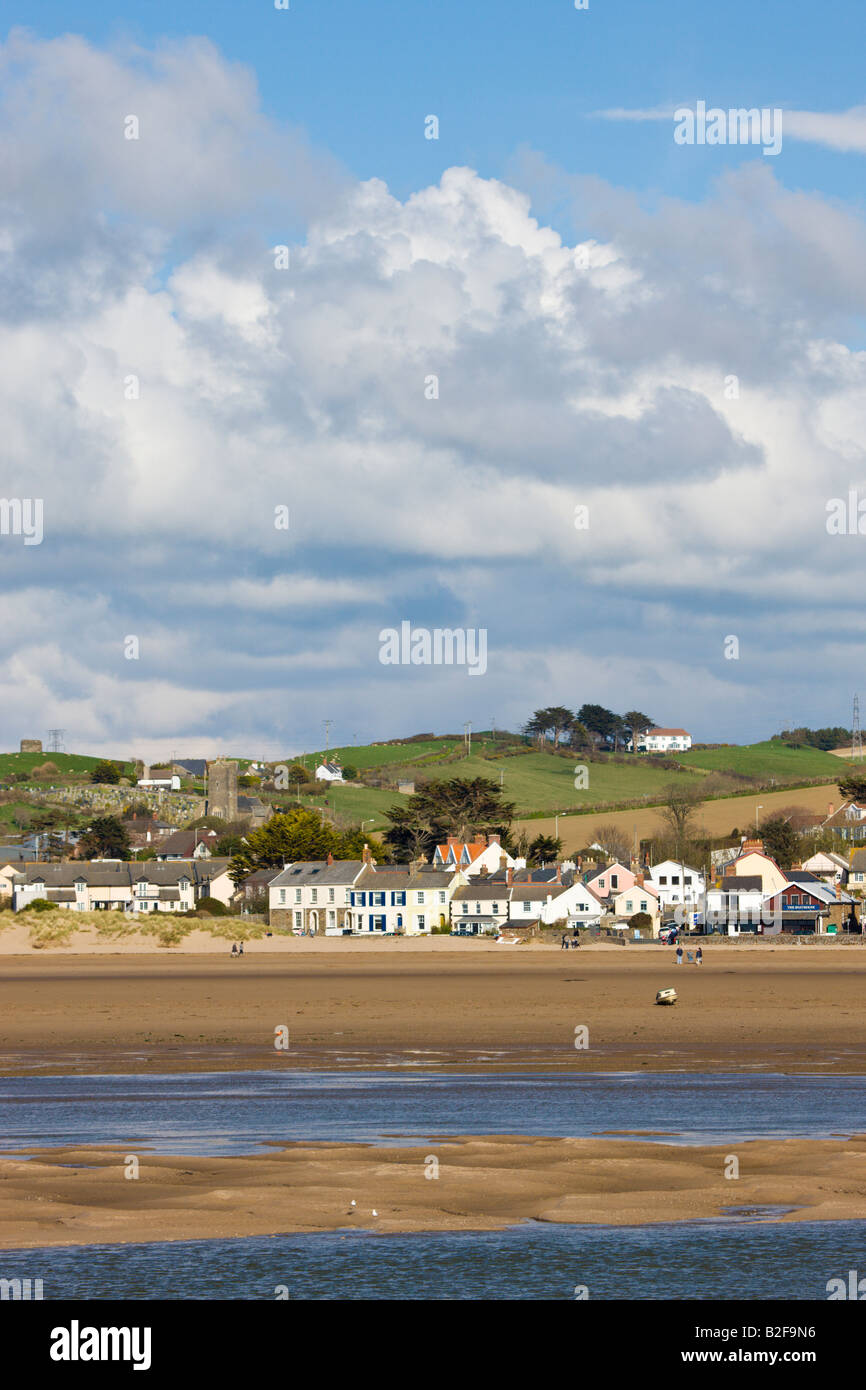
(613, 879)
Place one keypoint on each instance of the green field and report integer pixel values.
(766, 760)
(69, 764)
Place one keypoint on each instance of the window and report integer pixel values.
(399, 919)
(465, 907)
(675, 878)
(297, 895)
(330, 895)
(478, 907)
(298, 919)
(314, 895)
(398, 899)
(495, 909)
(282, 895)
(422, 922)
(614, 880)
(331, 918)
(628, 906)
(442, 896)
(527, 905)
(377, 899)
(687, 879)
(643, 906)
(348, 895)
(419, 898)
(663, 878)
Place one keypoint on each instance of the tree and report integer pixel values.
(781, 841)
(679, 813)
(600, 721)
(107, 773)
(637, 724)
(614, 841)
(105, 838)
(296, 834)
(853, 787)
(350, 773)
(458, 806)
(543, 848)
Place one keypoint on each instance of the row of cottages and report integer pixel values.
(523, 898)
(336, 896)
(756, 895)
(671, 883)
(102, 885)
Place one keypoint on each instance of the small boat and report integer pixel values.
(666, 996)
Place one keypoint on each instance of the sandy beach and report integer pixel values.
(443, 1004)
(480, 1184)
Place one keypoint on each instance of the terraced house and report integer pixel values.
(314, 895)
(404, 899)
(102, 885)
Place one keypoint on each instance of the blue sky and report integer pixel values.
(670, 335)
(502, 74)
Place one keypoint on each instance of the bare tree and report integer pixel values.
(679, 814)
(613, 840)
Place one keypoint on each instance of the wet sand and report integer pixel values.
(482, 1184)
(454, 1005)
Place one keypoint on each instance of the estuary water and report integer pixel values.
(743, 1255)
(235, 1112)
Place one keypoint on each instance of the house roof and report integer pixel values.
(858, 860)
(194, 766)
(185, 841)
(314, 871)
(483, 891)
(650, 733)
(743, 883)
(614, 867)
(639, 888)
(408, 877)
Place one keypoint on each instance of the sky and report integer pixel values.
(553, 375)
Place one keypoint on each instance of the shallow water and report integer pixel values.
(716, 1261)
(235, 1112)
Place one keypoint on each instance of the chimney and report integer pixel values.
(639, 880)
(493, 839)
(330, 859)
(483, 871)
(829, 808)
(509, 877)
(558, 873)
(366, 855)
(503, 862)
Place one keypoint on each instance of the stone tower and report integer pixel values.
(31, 745)
(222, 789)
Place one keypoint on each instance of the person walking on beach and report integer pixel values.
(679, 955)
(234, 949)
(563, 944)
(699, 957)
(241, 949)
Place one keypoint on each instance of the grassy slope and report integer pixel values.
(767, 760)
(68, 763)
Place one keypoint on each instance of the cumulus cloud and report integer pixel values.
(428, 390)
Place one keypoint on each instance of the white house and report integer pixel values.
(329, 772)
(314, 895)
(101, 885)
(483, 854)
(677, 883)
(556, 897)
(737, 906)
(479, 907)
(827, 865)
(640, 897)
(664, 741)
(170, 782)
(752, 860)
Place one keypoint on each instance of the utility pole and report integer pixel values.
(856, 736)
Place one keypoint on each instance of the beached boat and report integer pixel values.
(666, 996)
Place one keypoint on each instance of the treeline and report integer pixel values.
(814, 738)
(592, 726)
